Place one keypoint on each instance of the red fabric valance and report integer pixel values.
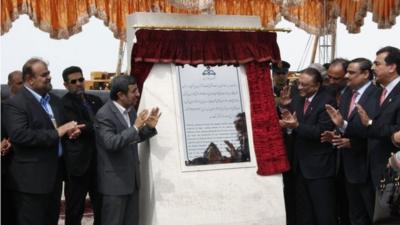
(204, 47)
(252, 49)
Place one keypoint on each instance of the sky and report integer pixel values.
(96, 49)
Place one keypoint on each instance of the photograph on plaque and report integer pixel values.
(213, 118)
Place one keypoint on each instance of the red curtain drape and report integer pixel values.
(253, 49)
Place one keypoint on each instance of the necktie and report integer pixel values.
(352, 103)
(383, 96)
(44, 102)
(306, 104)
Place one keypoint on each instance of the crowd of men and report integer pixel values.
(339, 136)
(340, 128)
(77, 140)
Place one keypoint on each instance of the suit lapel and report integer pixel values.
(56, 111)
(312, 104)
(300, 111)
(37, 105)
(345, 102)
(392, 95)
(363, 100)
(117, 114)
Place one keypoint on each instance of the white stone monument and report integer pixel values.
(173, 193)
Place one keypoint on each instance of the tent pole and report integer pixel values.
(120, 57)
(314, 50)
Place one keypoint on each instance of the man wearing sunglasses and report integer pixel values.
(80, 154)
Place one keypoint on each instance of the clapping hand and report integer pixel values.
(335, 115)
(152, 120)
(285, 98)
(141, 118)
(289, 120)
(327, 136)
(341, 142)
(396, 138)
(363, 115)
(231, 149)
(5, 146)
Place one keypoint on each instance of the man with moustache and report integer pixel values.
(36, 126)
(80, 153)
(336, 77)
(386, 122)
(118, 132)
(352, 140)
(314, 162)
(336, 86)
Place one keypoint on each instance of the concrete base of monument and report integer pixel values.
(171, 194)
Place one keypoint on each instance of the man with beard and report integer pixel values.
(314, 162)
(80, 153)
(118, 132)
(33, 121)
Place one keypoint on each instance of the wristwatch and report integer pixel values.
(369, 123)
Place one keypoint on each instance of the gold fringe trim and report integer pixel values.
(211, 28)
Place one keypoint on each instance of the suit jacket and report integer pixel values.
(33, 165)
(117, 151)
(355, 160)
(5, 160)
(80, 152)
(315, 159)
(385, 123)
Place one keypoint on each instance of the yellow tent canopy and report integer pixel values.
(63, 18)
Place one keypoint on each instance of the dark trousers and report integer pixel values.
(76, 189)
(7, 205)
(120, 209)
(316, 200)
(289, 194)
(342, 202)
(7, 201)
(35, 209)
(361, 203)
(32, 209)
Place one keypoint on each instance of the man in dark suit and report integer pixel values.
(314, 161)
(387, 120)
(15, 83)
(352, 140)
(80, 153)
(118, 131)
(336, 86)
(34, 123)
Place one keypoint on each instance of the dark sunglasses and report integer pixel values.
(76, 80)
